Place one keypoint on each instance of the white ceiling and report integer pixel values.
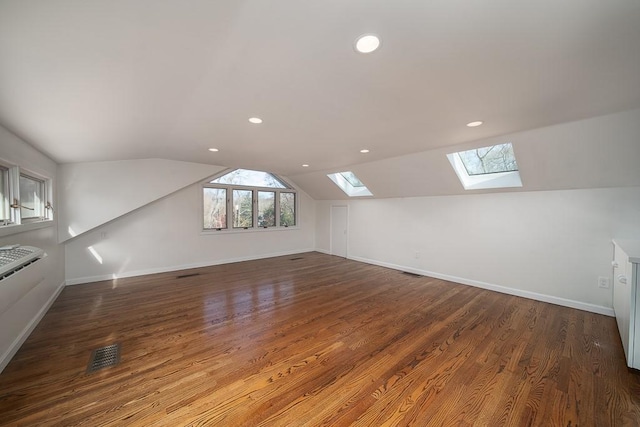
(111, 80)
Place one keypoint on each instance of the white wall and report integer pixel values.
(166, 235)
(538, 244)
(94, 193)
(21, 317)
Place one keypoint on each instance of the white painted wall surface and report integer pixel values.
(551, 243)
(21, 317)
(166, 235)
(94, 193)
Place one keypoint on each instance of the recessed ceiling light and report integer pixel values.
(364, 151)
(367, 43)
(305, 165)
(215, 150)
(474, 124)
(255, 120)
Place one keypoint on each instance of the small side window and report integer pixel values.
(32, 199)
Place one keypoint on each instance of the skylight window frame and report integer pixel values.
(347, 187)
(489, 180)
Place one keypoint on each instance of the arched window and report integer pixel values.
(246, 199)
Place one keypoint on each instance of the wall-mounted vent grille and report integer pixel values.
(104, 357)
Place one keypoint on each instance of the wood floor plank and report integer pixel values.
(316, 341)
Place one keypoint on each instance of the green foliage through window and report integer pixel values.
(244, 199)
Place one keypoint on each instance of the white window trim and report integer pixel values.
(486, 181)
(348, 188)
(255, 228)
(17, 225)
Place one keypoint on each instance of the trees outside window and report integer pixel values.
(245, 199)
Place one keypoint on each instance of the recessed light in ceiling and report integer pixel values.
(255, 120)
(364, 151)
(215, 150)
(367, 43)
(474, 124)
(305, 165)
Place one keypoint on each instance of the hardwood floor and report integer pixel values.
(316, 341)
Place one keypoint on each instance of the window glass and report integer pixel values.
(352, 179)
(215, 208)
(246, 199)
(250, 178)
(350, 184)
(242, 208)
(485, 160)
(288, 209)
(486, 167)
(4, 195)
(266, 209)
(31, 198)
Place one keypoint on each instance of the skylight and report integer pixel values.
(250, 178)
(486, 167)
(350, 184)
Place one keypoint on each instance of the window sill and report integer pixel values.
(248, 230)
(7, 230)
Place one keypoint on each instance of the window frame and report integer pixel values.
(10, 200)
(485, 181)
(5, 210)
(255, 191)
(39, 208)
(340, 179)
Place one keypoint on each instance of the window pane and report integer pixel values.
(266, 209)
(250, 178)
(4, 214)
(242, 208)
(215, 208)
(352, 179)
(350, 184)
(494, 159)
(287, 209)
(31, 200)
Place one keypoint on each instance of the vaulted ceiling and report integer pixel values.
(112, 80)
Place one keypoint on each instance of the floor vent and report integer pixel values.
(104, 357)
(411, 274)
(295, 259)
(187, 275)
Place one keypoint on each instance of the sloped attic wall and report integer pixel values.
(95, 193)
(166, 235)
(595, 153)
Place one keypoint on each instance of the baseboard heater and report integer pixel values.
(21, 269)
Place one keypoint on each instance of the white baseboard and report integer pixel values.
(20, 339)
(322, 251)
(497, 288)
(135, 273)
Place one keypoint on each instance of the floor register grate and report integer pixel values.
(104, 357)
